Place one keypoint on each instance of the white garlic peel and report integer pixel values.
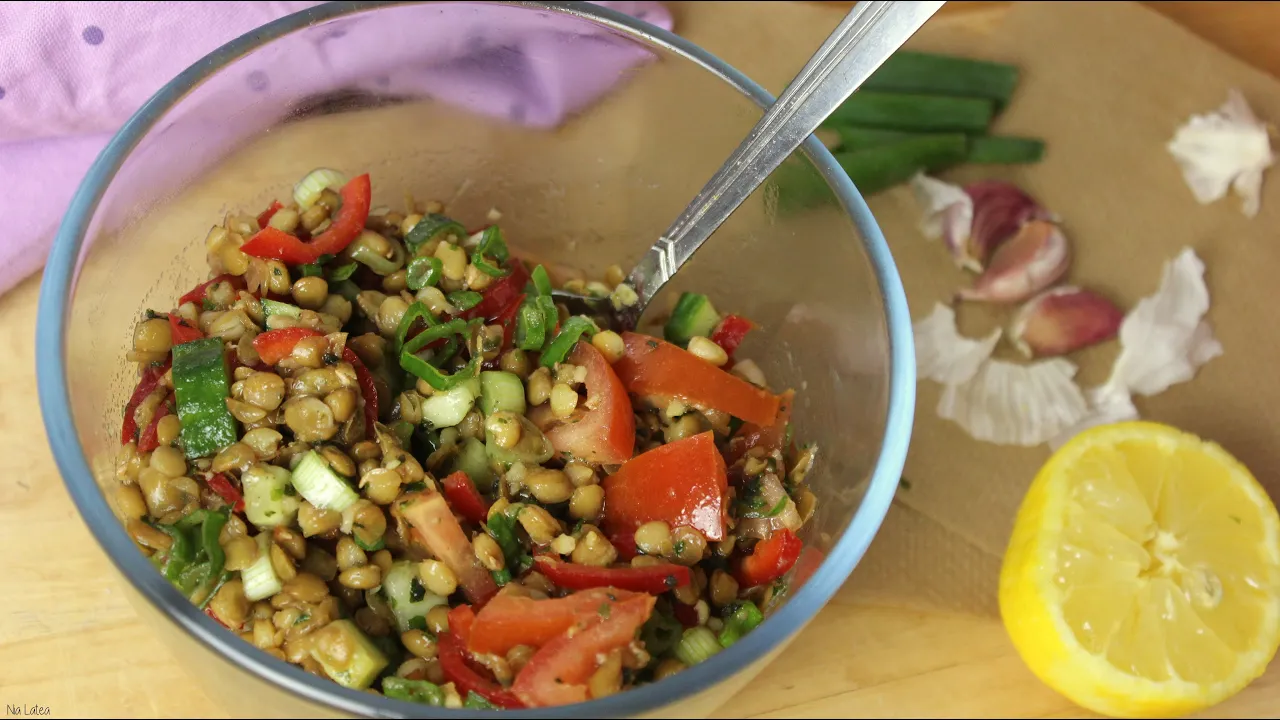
(946, 213)
(1016, 404)
(1226, 149)
(1163, 341)
(943, 354)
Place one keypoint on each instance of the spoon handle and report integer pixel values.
(867, 36)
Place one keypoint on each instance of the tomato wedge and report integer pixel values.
(343, 228)
(465, 498)
(770, 437)
(461, 620)
(651, 579)
(558, 673)
(434, 524)
(770, 560)
(453, 662)
(730, 332)
(655, 367)
(509, 620)
(180, 331)
(605, 431)
(680, 483)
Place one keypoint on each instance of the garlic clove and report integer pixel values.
(1031, 261)
(1016, 404)
(1000, 209)
(1063, 320)
(947, 215)
(943, 354)
(1227, 149)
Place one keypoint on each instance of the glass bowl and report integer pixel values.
(471, 103)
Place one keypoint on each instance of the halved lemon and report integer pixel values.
(1143, 575)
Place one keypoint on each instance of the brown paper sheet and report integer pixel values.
(1106, 85)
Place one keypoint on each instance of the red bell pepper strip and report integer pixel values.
(147, 384)
(686, 614)
(267, 214)
(558, 673)
(149, 439)
(220, 485)
(344, 228)
(730, 332)
(652, 579)
(180, 332)
(367, 388)
(624, 541)
(770, 560)
(464, 498)
(198, 293)
(505, 293)
(276, 345)
(653, 367)
(453, 662)
(680, 483)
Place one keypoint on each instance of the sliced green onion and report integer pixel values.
(697, 645)
(562, 344)
(424, 272)
(342, 272)
(464, 299)
(430, 227)
(492, 243)
(311, 270)
(309, 188)
(744, 618)
(531, 326)
(416, 691)
(541, 281)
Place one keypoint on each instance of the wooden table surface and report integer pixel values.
(69, 641)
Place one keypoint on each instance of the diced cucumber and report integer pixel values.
(448, 408)
(501, 391)
(901, 111)
(997, 150)
(320, 485)
(259, 579)
(907, 71)
(533, 448)
(272, 307)
(347, 656)
(269, 498)
(407, 597)
(202, 384)
(693, 315)
(474, 461)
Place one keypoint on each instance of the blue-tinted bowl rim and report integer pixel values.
(74, 467)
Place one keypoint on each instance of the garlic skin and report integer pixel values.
(947, 215)
(1037, 257)
(1164, 340)
(1225, 149)
(1016, 404)
(943, 354)
(1062, 320)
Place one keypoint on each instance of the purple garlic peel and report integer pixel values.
(1063, 320)
(1031, 261)
(1000, 209)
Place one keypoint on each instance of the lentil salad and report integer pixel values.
(372, 445)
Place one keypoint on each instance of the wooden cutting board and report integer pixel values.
(70, 642)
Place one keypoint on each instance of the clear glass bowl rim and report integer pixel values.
(54, 304)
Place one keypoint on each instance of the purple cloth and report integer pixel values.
(72, 72)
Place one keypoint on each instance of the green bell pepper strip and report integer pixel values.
(562, 344)
(343, 272)
(541, 281)
(744, 618)
(431, 227)
(492, 243)
(179, 555)
(464, 299)
(531, 326)
(417, 691)
(435, 377)
(416, 311)
(424, 272)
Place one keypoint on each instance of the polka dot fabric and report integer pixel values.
(72, 72)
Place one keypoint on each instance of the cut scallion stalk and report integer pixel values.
(697, 645)
(260, 579)
(320, 485)
(310, 188)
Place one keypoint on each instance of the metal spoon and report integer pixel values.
(867, 36)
